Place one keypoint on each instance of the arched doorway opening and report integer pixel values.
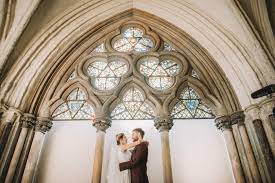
(132, 73)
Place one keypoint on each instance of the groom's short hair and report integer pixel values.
(140, 131)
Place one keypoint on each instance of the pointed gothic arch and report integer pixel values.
(201, 90)
(144, 98)
(132, 104)
(65, 95)
(198, 57)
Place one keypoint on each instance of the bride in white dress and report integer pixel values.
(120, 154)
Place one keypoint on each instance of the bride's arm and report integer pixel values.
(131, 145)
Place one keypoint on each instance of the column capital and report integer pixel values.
(163, 123)
(237, 118)
(28, 120)
(266, 107)
(253, 112)
(10, 115)
(223, 123)
(43, 124)
(102, 123)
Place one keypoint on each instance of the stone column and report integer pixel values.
(260, 145)
(248, 161)
(28, 121)
(9, 139)
(101, 124)
(223, 123)
(24, 155)
(42, 126)
(266, 108)
(164, 124)
(6, 126)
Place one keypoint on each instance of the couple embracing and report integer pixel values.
(128, 161)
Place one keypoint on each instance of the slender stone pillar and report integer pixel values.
(7, 126)
(24, 155)
(260, 145)
(248, 161)
(9, 139)
(42, 126)
(28, 121)
(5, 129)
(101, 124)
(266, 108)
(164, 124)
(223, 123)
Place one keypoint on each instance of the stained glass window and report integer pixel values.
(100, 48)
(168, 47)
(133, 40)
(132, 106)
(191, 106)
(194, 74)
(160, 73)
(106, 76)
(75, 107)
(72, 76)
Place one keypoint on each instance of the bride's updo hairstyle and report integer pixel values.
(119, 137)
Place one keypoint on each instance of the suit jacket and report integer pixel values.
(137, 164)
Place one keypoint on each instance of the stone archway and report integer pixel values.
(39, 71)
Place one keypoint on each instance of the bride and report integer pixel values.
(118, 155)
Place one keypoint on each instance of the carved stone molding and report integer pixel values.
(223, 123)
(266, 107)
(262, 110)
(163, 123)
(10, 115)
(253, 112)
(28, 120)
(102, 124)
(43, 124)
(237, 118)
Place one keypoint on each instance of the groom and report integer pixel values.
(138, 161)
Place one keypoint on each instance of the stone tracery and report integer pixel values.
(75, 107)
(79, 79)
(132, 106)
(124, 57)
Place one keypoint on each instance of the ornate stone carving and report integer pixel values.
(253, 112)
(163, 123)
(43, 124)
(237, 118)
(10, 115)
(223, 123)
(28, 120)
(266, 107)
(102, 124)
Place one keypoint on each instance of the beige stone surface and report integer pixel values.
(42, 42)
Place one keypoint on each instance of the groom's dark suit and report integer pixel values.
(137, 164)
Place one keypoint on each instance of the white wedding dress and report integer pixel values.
(114, 174)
